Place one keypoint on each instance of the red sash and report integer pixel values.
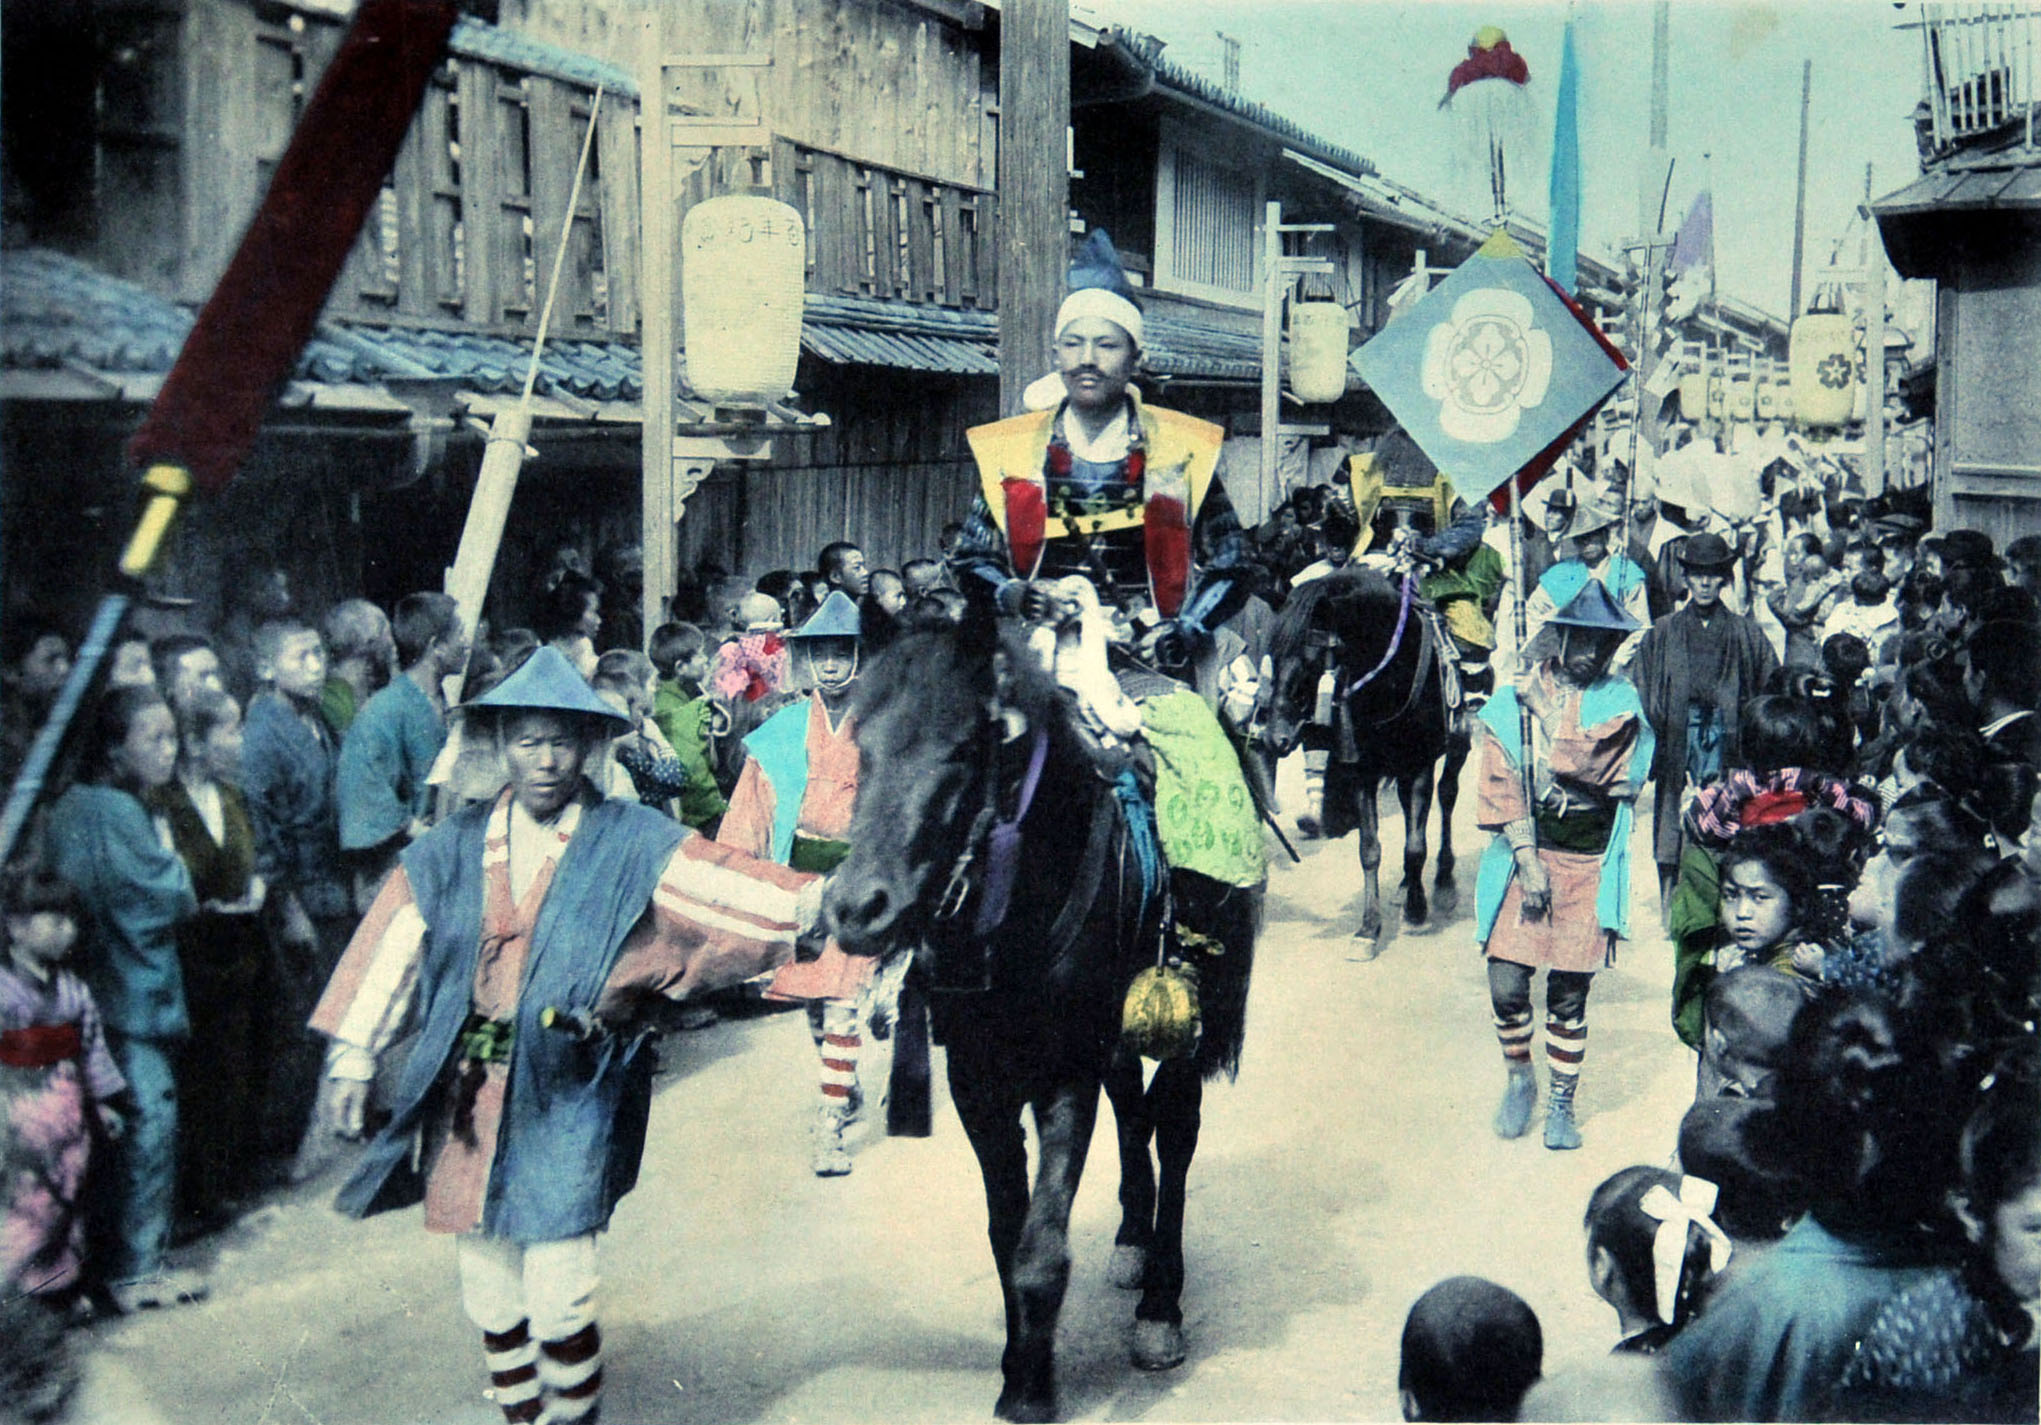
(1027, 523)
(40, 1045)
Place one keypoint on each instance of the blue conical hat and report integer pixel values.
(837, 618)
(1593, 608)
(547, 682)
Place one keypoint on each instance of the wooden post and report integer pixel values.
(1800, 192)
(1874, 348)
(1034, 187)
(656, 263)
(1274, 284)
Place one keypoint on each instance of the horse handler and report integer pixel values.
(527, 930)
(1554, 887)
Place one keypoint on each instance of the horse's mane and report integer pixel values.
(1344, 593)
(930, 685)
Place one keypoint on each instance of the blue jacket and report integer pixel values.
(574, 1113)
(287, 766)
(136, 891)
(384, 758)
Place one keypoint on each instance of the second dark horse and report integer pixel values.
(949, 723)
(1384, 656)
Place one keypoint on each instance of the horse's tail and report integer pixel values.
(1231, 915)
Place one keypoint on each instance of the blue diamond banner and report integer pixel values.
(1491, 370)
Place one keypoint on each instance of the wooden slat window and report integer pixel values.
(1213, 225)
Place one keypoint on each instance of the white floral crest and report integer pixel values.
(1487, 365)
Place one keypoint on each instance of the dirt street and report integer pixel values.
(1350, 1167)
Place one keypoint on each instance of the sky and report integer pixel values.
(1368, 74)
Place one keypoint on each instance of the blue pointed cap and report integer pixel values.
(1593, 608)
(837, 618)
(547, 682)
(1097, 264)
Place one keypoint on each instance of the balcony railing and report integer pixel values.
(881, 232)
(1979, 66)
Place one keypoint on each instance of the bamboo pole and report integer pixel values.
(1520, 624)
(503, 457)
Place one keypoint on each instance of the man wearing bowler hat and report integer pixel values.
(1695, 669)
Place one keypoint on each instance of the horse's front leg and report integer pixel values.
(1446, 890)
(1415, 793)
(1137, 1173)
(1064, 1118)
(1175, 1101)
(990, 1112)
(1368, 822)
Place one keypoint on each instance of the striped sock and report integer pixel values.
(1514, 1034)
(571, 1370)
(1565, 1047)
(512, 1358)
(842, 1043)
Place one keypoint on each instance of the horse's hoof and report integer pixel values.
(1366, 946)
(1129, 1267)
(1023, 1410)
(1446, 901)
(1158, 1345)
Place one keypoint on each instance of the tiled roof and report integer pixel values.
(60, 313)
(1173, 76)
(864, 331)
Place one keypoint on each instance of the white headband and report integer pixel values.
(1098, 302)
(1669, 1247)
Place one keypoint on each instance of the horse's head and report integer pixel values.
(932, 713)
(1338, 612)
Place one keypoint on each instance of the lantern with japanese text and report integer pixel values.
(743, 272)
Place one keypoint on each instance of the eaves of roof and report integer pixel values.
(1175, 78)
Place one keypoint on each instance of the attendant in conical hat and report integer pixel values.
(1553, 891)
(545, 905)
(792, 805)
(1595, 528)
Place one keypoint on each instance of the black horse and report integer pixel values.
(1385, 657)
(950, 722)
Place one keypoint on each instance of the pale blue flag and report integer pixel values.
(1563, 196)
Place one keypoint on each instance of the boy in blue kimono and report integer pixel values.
(288, 753)
(391, 744)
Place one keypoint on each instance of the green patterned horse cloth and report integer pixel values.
(1203, 811)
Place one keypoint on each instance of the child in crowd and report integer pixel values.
(1653, 1250)
(643, 765)
(680, 707)
(1755, 1203)
(58, 1084)
(1961, 1346)
(1779, 902)
(1470, 1351)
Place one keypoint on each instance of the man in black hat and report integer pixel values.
(1695, 670)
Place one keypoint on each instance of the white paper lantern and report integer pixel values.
(1318, 351)
(743, 271)
(1823, 360)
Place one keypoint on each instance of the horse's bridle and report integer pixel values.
(973, 867)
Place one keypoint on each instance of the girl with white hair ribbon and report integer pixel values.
(1653, 1251)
